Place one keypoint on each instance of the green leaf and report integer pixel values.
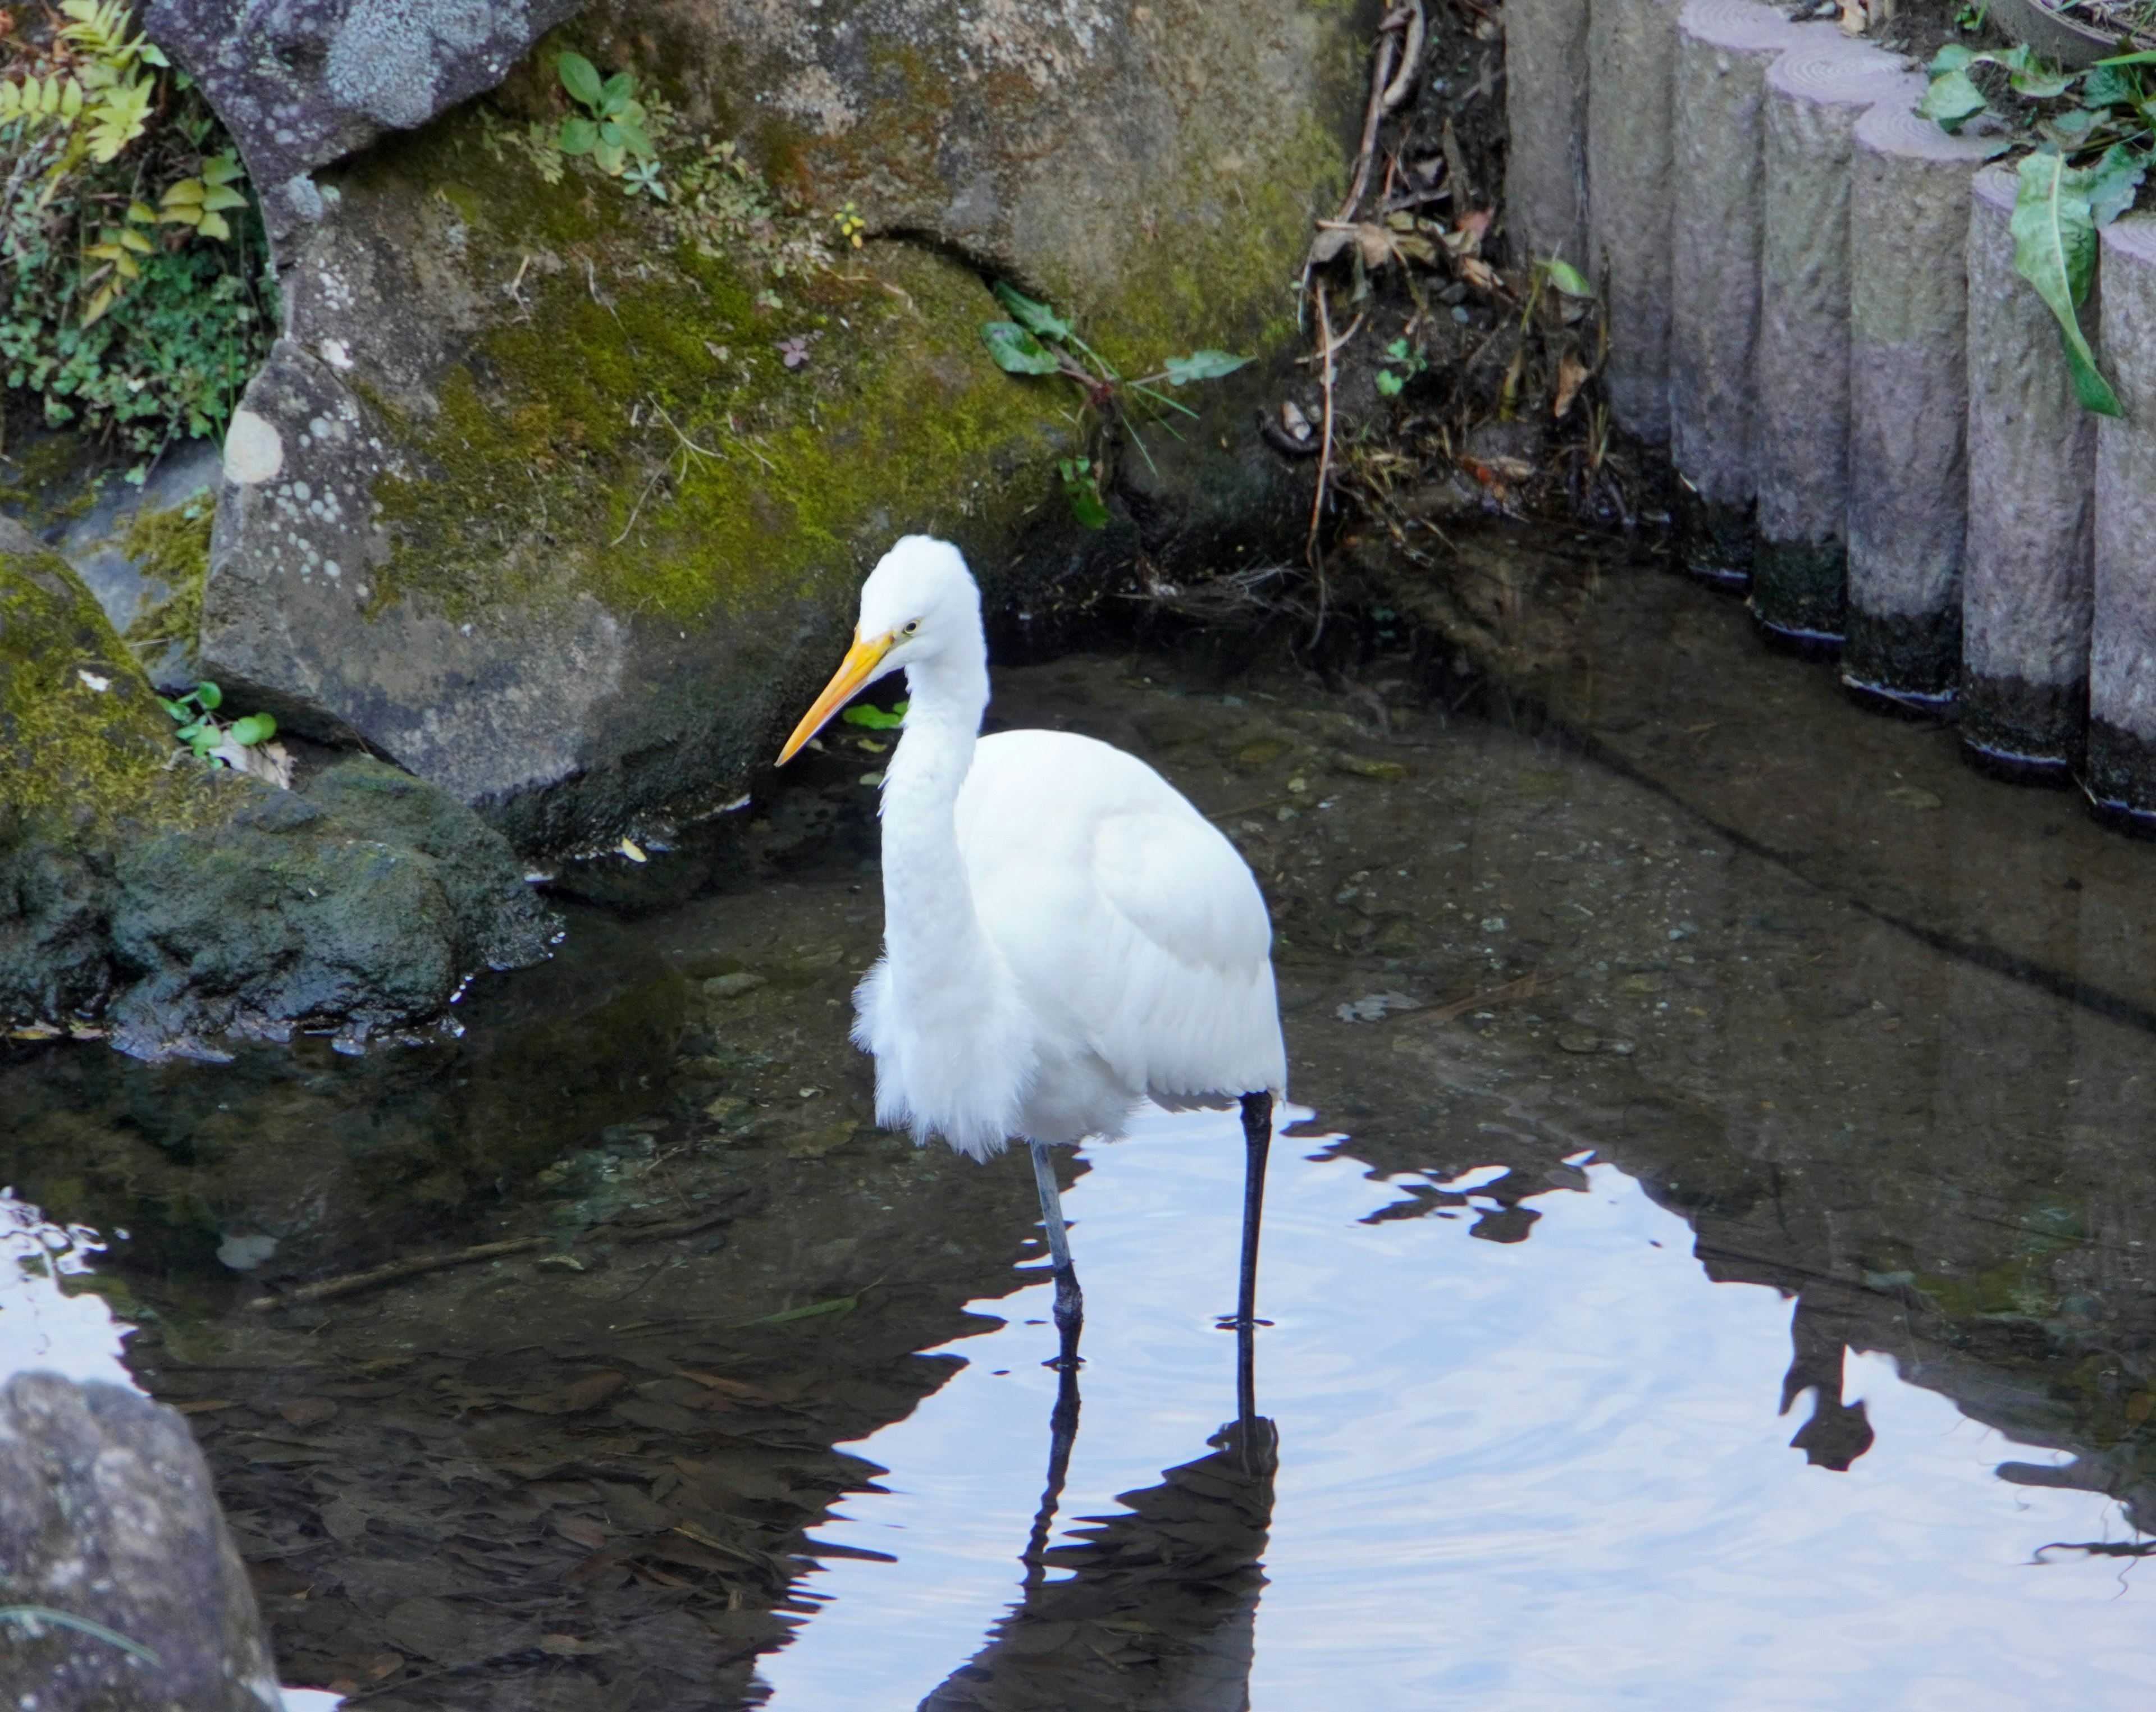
(255, 728)
(634, 138)
(1202, 366)
(2055, 245)
(1016, 350)
(2116, 176)
(874, 718)
(2040, 81)
(1569, 281)
(580, 78)
(1953, 56)
(1029, 313)
(1390, 383)
(577, 136)
(1078, 487)
(1952, 100)
(207, 695)
(173, 708)
(2147, 58)
(617, 92)
(2110, 86)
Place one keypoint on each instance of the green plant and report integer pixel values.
(1037, 341)
(1970, 19)
(203, 732)
(1404, 362)
(2089, 130)
(874, 718)
(850, 224)
(611, 128)
(135, 304)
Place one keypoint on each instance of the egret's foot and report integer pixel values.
(1070, 1305)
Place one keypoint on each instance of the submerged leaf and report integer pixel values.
(875, 718)
(2055, 246)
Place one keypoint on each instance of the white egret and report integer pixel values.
(1065, 936)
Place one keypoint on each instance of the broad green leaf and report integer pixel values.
(1202, 366)
(218, 197)
(1029, 313)
(2036, 79)
(2116, 176)
(577, 136)
(1953, 56)
(1086, 507)
(580, 78)
(609, 157)
(2055, 246)
(633, 137)
(617, 92)
(255, 728)
(1390, 383)
(1952, 100)
(221, 169)
(1569, 281)
(2110, 86)
(1016, 350)
(213, 226)
(207, 694)
(874, 718)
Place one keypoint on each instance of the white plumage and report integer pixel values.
(1064, 934)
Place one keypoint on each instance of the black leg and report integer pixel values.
(1257, 1144)
(1069, 1305)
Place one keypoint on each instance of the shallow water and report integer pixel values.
(1702, 1064)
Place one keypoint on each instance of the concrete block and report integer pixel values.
(2026, 564)
(1909, 403)
(1546, 116)
(2121, 774)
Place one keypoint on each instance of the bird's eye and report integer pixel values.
(911, 626)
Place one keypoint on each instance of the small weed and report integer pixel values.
(850, 224)
(1404, 361)
(200, 729)
(1037, 341)
(611, 128)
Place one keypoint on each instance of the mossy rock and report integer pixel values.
(559, 496)
(168, 903)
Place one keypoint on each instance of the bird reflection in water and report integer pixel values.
(1157, 1608)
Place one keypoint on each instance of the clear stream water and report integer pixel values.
(1713, 1068)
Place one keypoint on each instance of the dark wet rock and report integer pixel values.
(529, 497)
(173, 903)
(307, 81)
(107, 1514)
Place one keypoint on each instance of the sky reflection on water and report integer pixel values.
(1543, 1475)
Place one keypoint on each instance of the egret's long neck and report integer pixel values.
(930, 926)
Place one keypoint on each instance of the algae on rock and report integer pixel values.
(168, 903)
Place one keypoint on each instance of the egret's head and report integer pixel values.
(918, 601)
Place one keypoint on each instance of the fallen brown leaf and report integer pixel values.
(1571, 376)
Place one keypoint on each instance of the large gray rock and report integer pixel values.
(530, 498)
(304, 82)
(107, 1514)
(171, 902)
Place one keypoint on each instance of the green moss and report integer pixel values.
(637, 435)
(94, 757)
(173, 546)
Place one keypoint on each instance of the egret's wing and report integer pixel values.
(1186, 945)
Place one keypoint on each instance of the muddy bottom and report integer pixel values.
(1714, 1270)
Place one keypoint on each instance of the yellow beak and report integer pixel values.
(860, 662)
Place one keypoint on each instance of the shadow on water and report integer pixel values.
(1874, 1028)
